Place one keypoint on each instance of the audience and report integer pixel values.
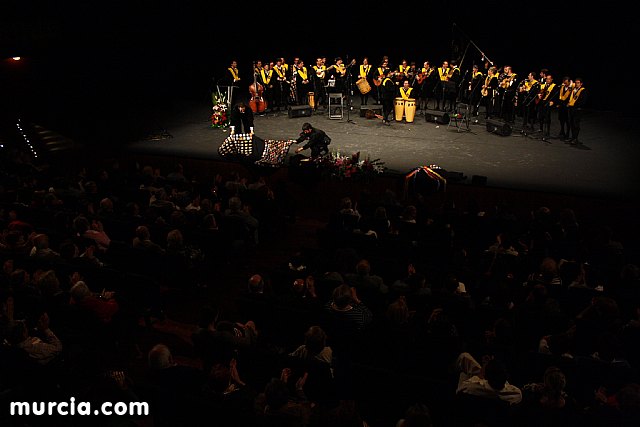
(549, 303)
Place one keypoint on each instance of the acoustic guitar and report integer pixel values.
(541, 94)
(342, 71)
(423, 76)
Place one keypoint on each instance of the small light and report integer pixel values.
(16, 58)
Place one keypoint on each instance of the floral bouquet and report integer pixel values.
(352, 167)
(220, 115)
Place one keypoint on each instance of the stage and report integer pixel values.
(605, 165)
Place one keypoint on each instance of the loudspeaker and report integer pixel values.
(478, 180)
(300, 111)
(499, 127)
(376, 109)
(455, 176)
(436, 116)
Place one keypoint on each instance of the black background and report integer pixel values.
(111, 67)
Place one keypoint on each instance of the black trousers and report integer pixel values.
(563, 117)
(575, 116)
(387, 107)
(545, 120)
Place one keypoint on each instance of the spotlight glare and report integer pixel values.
(16, 58)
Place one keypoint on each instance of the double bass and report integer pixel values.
(257, 102)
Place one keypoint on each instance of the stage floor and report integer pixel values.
(606, 165)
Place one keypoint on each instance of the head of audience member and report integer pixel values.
(106, 205)
(81, 224)
(40, 241)
(398, 312)
(209, 222)
(342, 296)
(495, 373)
(276, 394)
(175, 240)
(410, 213)
(346, 413)
(538, 295)
(160, 358)
(628, 398)
(17, 332)
(363, 268)
(417, 415)
(14, 239)
(79, 292)
(48, 283)
(346, 205)
(315, 340)
(19, 278)
(69, 250)
(142, 234)
(380, 213)
(177, 218)
(553, 389)
(255, 285)
(208, 318)
(235, 204)
(548, 270)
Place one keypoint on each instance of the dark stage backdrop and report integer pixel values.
(97, 70)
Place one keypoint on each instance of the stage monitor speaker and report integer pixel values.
(300, 111)
(479, 180)
(435, 116)
(499, 127)
(375, 109)
(455, 176)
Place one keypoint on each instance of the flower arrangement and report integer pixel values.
(352, 167)
(220, 115)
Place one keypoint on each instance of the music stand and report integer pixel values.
(464, 119)
(528, 101)
(336, 96)
(229, 90)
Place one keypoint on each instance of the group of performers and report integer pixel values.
(503, 93)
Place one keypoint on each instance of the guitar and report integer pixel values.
(423, 76)
(541, 94)
(506, 81)
(342, 70)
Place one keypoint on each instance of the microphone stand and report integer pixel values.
(484, 56)
(529, 99)
(461, 85)
(473, 90)
(348, 91)
(468, 101)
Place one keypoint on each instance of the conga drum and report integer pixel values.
(399, 109)
(410, 109)
(363, 85)
(312, 100)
